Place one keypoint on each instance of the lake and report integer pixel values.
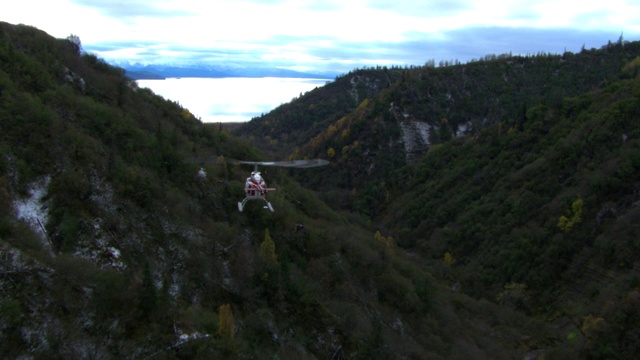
(231, 99)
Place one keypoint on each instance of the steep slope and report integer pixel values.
(514, 179)
(542, 217)
(114, 246)
(395, 124)
(294, 124)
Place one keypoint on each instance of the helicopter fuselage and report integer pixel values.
(255, 191)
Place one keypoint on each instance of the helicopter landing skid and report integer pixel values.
(242, 203)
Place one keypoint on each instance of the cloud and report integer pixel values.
(430, 9)
(126, 9)
(329, 53)
(309, 34)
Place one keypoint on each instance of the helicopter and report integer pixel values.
(255, 186)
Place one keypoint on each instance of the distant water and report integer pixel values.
(231, 99)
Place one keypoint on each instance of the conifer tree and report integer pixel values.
(221, 167)
(149, 296)
(267, 251)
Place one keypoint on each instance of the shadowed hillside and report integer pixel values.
(514, 179)
(114, 245)
(541, 217)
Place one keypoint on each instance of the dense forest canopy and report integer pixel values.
(479, 210)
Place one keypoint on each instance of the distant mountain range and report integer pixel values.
(140, 71)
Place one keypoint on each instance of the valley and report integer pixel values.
(485, 210)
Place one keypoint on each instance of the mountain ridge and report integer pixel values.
(485, 199)
(516, 239)
(156, 71)
(440, 102)
(137, 253)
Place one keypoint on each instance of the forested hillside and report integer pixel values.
(542, 217)
(294, 124)
(514, 179)
(374, 122)
(113, 244)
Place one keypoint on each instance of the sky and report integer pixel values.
(333, 36)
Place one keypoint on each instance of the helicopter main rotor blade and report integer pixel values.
(291, 163)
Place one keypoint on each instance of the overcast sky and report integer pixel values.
(327, 35)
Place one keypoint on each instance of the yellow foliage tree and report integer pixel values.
(331, 131)
(387, 243)
(591, 325)
(574, 216)
(449, 259)
(186, 114)
(379, 238)
(632, 65)
(391, 245)
(267, 251)
(226, 322)
(363, 105)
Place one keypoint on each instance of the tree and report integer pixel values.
(449, 259)
(149, 295)
(226, 322)
(592, 325)
(267, 251)
(221, 167)
(387, 243)
(514, 294)
(331, 153)
(75, 40)
(574, 216)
